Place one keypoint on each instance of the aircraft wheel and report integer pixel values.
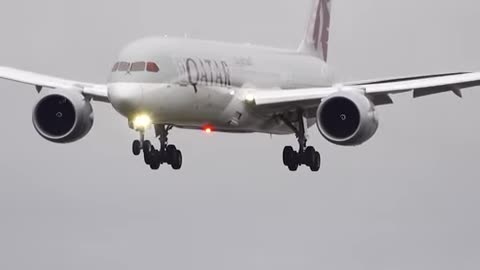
(293, 167)
(292, 161)
(147, 157)
(310, 156)
(147, 146)
(136, 147)
(155, 160)
(288, 152)
(177, 160)
(315, 167)
(148, 152)
(171, 153)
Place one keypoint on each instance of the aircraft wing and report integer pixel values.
(97, 92)
(378, 91)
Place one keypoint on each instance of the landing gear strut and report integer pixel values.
(306, 155)
(167, 153)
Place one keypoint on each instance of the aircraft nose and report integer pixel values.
(125, 98)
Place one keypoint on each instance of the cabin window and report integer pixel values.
(115, 67)
(138, 66)
(123, 66)
(152, 67)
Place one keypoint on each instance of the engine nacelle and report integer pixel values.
(347, 118)
(63, 116)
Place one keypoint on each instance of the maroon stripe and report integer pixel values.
(326, 29)
(316, 29)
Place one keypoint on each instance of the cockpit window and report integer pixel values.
(115, 67)
(152, 67)
(135, 67)
(138, 66)
(123, 66)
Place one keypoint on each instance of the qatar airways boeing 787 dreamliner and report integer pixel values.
(168, 83)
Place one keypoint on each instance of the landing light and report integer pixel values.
(208, 129)
(250, 98)
(142, 121)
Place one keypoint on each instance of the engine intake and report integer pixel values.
(347, 118)
(63, 116)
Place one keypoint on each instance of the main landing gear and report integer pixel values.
(307, 156)
(167, 153)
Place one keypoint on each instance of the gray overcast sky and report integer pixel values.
(408, 199)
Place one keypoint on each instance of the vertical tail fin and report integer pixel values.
(318, 31)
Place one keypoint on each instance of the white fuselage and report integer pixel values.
(203, 83)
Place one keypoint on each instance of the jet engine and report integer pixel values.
(63, 116)
(347, 118)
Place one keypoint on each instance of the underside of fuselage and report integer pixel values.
(221, 109)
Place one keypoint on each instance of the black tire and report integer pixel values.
(147, 146)
(287, 153)
(310, 155)
(155, 160)
(317, 163)
(136, 147)
(147, 157)
(177, 160)
(148, 151)
(292, 161)
(171, 153)
(293, 167)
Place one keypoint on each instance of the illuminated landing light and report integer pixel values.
(250, 98)
(208, 129)
(142, 122)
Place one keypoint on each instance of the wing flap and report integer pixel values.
(381, 99)
(418, 93)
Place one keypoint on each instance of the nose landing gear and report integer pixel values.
(167, 153)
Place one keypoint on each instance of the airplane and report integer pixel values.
(164, 83)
